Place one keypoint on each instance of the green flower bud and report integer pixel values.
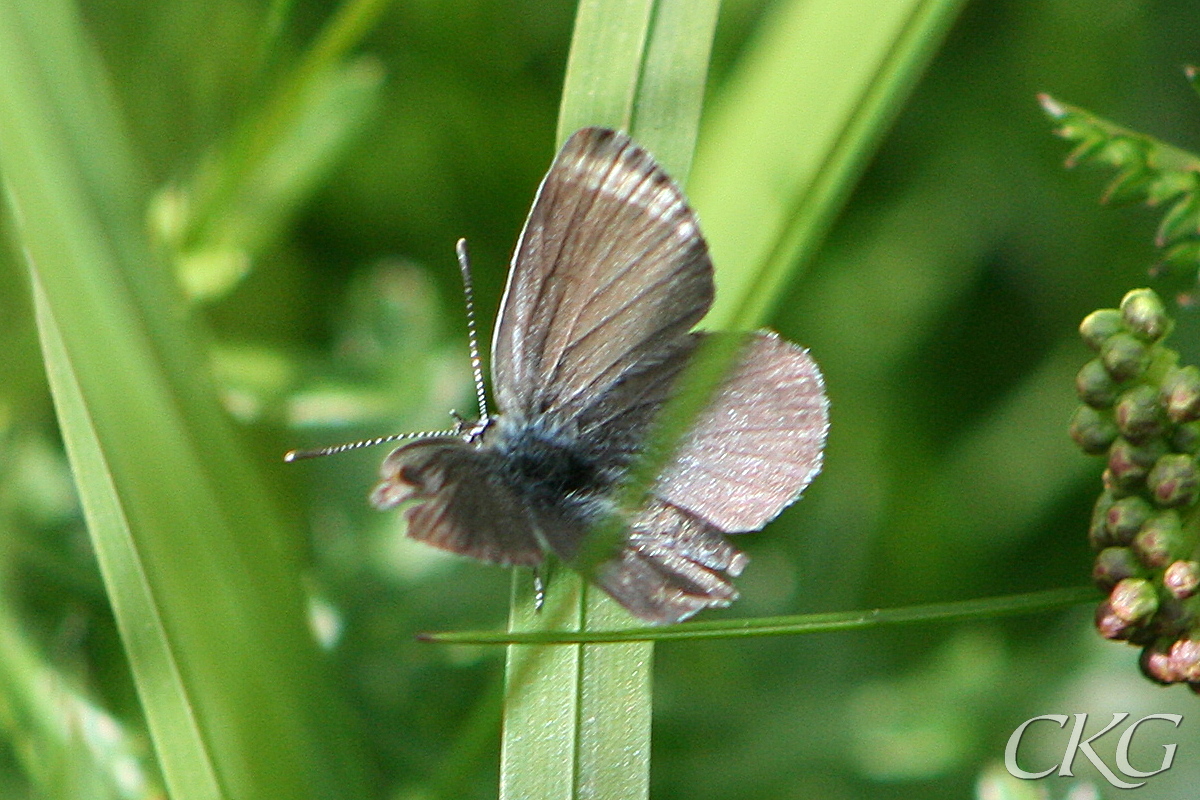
(1185, 438)
(1113, 565)
(1126, 517)
(1138, 415)
(1144, 314)
(1099, 325)
(1092, 430)
(1173, 481)
(1155, 663)
(1160, 540)
(1180, 394)
(1182, 579)
(1129, 464)
(1095, 386)
(1124, 356)
(1174, 617)
(1098, 535)
(1134, 600)
(1184, 660)
(1111, 626)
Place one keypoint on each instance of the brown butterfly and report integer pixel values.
(610, 275)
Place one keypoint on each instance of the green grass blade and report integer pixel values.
(577, 718)
(604, 64)
(793, 129)
(795, 625)
(541, 695)
(671, 90)
(185, 758)
(615, 692)
(818, 52)
(204, 581)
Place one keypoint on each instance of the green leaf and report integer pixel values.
(1148, 171)
(791, 131)
(331, 110)
(203, 579)
(541, 697)
(604, 64)
(187, 762)
(245, 192)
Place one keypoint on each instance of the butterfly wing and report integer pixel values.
(671, 566)
(749, 454)
(610, 272)
(462, 506)
(757, 445)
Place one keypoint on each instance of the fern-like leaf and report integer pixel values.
(1148, 171)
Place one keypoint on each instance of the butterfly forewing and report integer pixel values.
(458, 503)
(610, 270)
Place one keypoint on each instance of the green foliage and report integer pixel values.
(202, 577)
(1148, 171)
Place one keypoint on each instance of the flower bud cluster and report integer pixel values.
(1142, 411)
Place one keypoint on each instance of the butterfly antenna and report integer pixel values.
(476, 371)
(472, 331)
(334, 449)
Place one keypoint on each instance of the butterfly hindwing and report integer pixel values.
(671, 566)
(758, 444)
(748, 454)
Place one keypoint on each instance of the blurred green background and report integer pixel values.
(943, 310)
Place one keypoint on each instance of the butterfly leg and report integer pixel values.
(539, 590)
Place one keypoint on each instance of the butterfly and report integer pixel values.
(609, 277)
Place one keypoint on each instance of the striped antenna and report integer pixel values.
(463, 427)
(334, 449)
(472, 332)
